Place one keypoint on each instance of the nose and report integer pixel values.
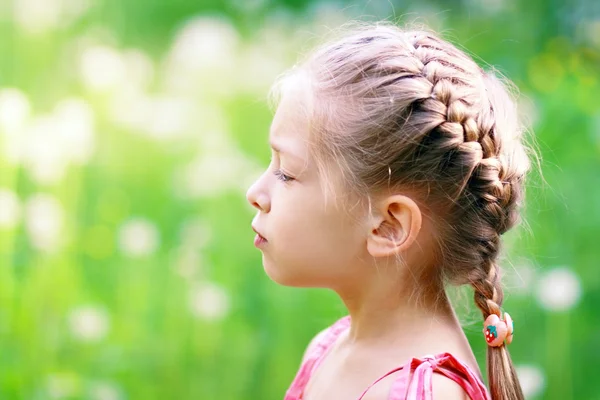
(257, 196)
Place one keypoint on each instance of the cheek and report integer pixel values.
(304, 228)
(309, 247)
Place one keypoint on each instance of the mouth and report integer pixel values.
(259, 239)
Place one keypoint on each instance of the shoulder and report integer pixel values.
(313, 343)
(442, 388)
(321, 337)
(445, 388)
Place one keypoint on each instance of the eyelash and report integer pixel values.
(282, 177)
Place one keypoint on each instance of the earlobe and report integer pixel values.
(395, 227)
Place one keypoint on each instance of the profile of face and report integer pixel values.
(309, 241)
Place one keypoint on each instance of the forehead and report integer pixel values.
(290, 127)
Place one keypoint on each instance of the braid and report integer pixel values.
(465, 132)
(462, 121)
(488, 293)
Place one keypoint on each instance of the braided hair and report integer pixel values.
(405, 108)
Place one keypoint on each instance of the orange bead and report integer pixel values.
(495, 330)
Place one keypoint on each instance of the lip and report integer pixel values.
(259, 240)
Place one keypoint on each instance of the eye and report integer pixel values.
(282, 177)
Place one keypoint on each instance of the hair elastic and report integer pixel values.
(497, 330)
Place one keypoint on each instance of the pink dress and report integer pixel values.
(415, 374)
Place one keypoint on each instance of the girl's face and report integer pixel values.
(309, 242)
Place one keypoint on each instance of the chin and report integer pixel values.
(281, 278)
(285, 278)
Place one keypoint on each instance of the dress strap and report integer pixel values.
(416, 382)
(401, 378)
(315, 356)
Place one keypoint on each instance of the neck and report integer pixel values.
(384, 310)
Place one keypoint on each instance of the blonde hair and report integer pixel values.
(405, 109)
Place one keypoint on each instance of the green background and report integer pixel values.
(129, 133)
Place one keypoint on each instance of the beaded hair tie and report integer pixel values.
(497, 330)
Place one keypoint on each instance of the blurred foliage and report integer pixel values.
(129, 132)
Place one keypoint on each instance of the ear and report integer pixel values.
(394, 227)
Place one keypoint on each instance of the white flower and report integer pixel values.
(44, 221)
(51, 142)
(14, 115)
(128, 106)
(140, 68)
(559, 289)
(209, 301)
(75, 125)
(520, 277)
(138, 237)
(129, 103)
(213, 174)
(187, 262)
(62, 385)
(159, 117)
(531, 379)
(41, 152)
(210, 175)
(195, 233)
(10, 208)
(102, 68)
(261, 67)
(14, 110)
(213, 124)
(165, 117)
(89, 323)
(204, 42)
(73, 9)
(204, 51)
(37, 16)
(104, 390)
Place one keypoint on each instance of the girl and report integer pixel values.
(397, 164)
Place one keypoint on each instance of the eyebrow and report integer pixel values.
(283, 150)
